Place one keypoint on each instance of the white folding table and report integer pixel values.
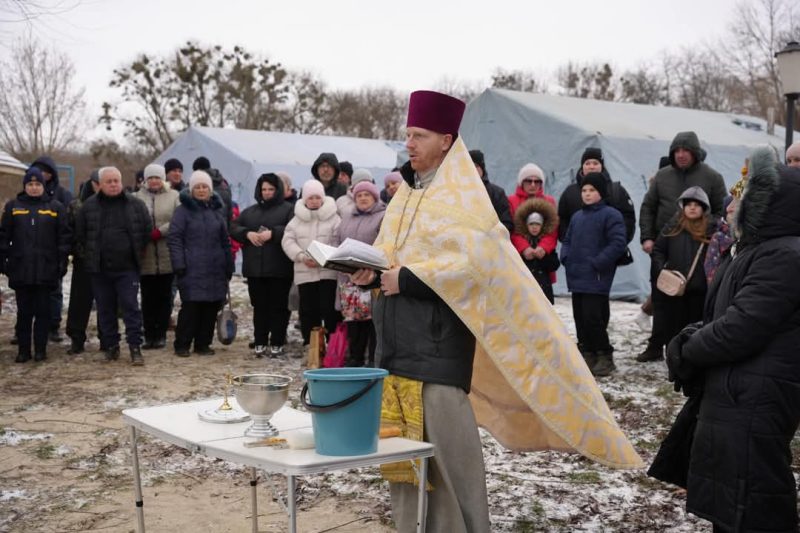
(179, 424)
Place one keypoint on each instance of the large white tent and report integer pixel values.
(243, 155)
(514, 128)
(11, 172)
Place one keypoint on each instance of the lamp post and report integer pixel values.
(788, 61)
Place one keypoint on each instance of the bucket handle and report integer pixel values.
(334, 406)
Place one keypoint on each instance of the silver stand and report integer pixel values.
(254, 498)
(290, 497)
(422, 501)
(137, 488)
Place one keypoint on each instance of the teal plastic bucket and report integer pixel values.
(345, 405)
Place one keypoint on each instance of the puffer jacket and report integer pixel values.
(34, 241)
(740, 471)
(540, 268)
(660, 202)
(161, 206)
(617, 197)
(595, 241)
(267, 260)
(321, 225)
(200, 249)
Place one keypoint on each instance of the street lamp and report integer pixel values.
(789, 71)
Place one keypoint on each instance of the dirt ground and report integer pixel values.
(65, 454)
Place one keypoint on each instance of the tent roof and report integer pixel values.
(8, 162)
(638, 121)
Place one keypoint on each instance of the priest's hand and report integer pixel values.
(364, 276)
(390, 282)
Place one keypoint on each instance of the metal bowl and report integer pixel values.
(261, 395)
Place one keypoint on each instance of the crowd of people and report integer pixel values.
(734, 323)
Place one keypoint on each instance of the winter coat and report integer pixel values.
(549, 241)
(53, 188)
(660, 202)
(109, 230)
(594, 242)
(334, 188)
(570, 203)
(200, 249)
(677, 252)
(223, 190)
(267, 260)
(161, 206)
(34, 241)
(86, 191)
(740, 474)
(540, 268)
(321, 225)
(497, 195)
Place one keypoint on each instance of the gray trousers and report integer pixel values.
(458, 501)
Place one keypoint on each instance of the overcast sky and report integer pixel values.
(409, 45)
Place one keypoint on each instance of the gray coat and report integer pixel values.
(661, 201)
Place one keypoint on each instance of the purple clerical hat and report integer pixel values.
(435, 111)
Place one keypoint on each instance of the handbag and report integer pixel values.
(336, 351)
(673, 282)
(316, 347)
(226, 323)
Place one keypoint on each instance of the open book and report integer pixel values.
(350, 256)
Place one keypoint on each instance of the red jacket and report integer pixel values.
(549, 241)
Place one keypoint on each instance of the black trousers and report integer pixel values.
(270, 300)
(156, 305)
(33, 314)
(317, 301)
(360, 339)
(81, 298)
(56, 305)
(672, 313)
(591, 312)
(196, 321)
(118, 291)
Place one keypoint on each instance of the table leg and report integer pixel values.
(137, 484)
(254, 498)
(422, 498)
(290, 499)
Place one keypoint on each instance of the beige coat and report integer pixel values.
(321, 225)
(160, 206)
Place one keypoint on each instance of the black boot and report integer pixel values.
(149, 344)
(112, 354)
(55, 336)
(652, 353)
(159, 343)
(75, 347)
(23, 357)
(590, 358)
(39, 355)
(136, 356)
(604, 365)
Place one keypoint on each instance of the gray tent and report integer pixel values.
(243, 155)
(514, 128)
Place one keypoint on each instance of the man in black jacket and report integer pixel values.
(326, 170)
(113, 228)
(496, 193)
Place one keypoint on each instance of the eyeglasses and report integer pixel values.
(528, 180)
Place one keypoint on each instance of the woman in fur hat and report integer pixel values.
(534, 219)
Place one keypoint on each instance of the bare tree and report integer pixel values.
(376, 113)
(590, 80)
(41, 110)
(517, 80)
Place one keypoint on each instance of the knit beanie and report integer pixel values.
(199, 176)
(33, 174)
(478, 160)
(154, 170)
(172, 164)
(535, 218)
(313, 188)
(346, 167)
(596, 180)
(201, 163)
(392, 177)
(593, 153)
(367, 186)
(531, 170)
(361, 174)
(793, 151)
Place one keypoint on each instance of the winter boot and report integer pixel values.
(136, 356)
(39, 355)
(23, 357)
(604, 365)
(652, 353)
(75, 347)
(590, 358)
(160, 343)
(112, 354)
(55, 336)
(149, 344)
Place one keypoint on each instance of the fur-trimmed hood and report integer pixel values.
(768, 208)
(538, 205)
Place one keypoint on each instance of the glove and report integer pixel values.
(180, 272)
(681, 372)
(155, 235)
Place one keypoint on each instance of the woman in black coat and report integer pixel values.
(200, 252)
(268, 271)
(34, 248)
(746, 356)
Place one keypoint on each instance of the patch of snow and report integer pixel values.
(12, 437)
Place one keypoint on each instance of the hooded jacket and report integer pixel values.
(659, 204)
(321, 225)
(161, 206)
(740, 474)
(52, 187)
(34, 241)
(267, 260)
(334, 188)
(199, 249)
(550, 240)
(549, 263)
